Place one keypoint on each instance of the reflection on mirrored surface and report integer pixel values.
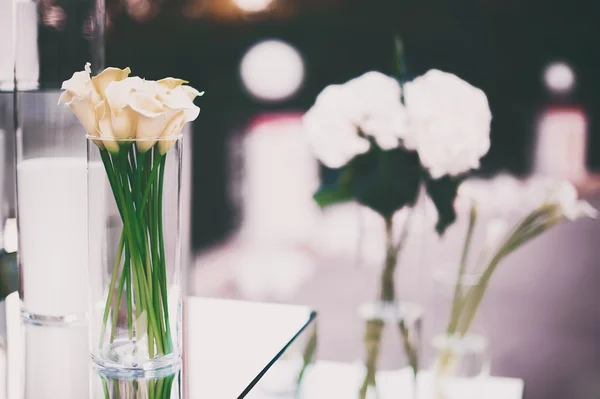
(161, 387)
(286, 377)
(3, 357)
(56, 361)
(229, 346)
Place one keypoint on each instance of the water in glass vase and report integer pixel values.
(136, 304)
(403, 320)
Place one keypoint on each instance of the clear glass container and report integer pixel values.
(3, 352)
(287, 376)
(52, 210)
(52, 41)
(162, 386)
(403, 320)
(56, 361)
(135, 267)
(460, 352)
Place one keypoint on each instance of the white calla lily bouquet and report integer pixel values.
(134, 123)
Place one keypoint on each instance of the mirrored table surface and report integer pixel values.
(229, 346)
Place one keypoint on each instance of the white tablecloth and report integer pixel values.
(331, 380)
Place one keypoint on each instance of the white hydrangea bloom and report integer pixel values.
(449, 121)
(344, 115)
(331, 127)
(383, 116)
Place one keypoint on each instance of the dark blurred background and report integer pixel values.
(499, 46)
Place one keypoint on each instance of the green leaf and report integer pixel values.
(443, 192)
(336, 188)
(386, 181)
(327, 196)
(399, 65)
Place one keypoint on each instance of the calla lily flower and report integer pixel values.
(83, 108)
(151, 119)
(116, 107)
(118, 96)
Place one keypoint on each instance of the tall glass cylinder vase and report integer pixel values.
(3, 352)
(52, 40)
(135, 268)
(52, 216)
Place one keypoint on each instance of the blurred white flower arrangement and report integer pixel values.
(382, 139)
(542, 204)
(443, 118)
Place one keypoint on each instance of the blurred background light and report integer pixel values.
(559, 77)
(253, 5)
(272, 70)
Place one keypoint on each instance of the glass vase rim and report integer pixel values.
(467, 342)
(444, 274)
(133, 139)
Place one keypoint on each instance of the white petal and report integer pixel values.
(83, 108)
(107, 76)
(171, 83)
(178, 99)
(65, 97)
(173, 129)
(118, 92)
(105, 130)
(192, 93)
(151, 119)
(124, 125)
(449, 121)
(78, 85)
(118, 96)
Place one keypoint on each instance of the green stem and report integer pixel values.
(128, 293)
(388, 291)
(308, 355)
(139, 304)
(373, 334)
(105, 388)
(409, 348)
(531, 227)
(159, 387)
(457, 298)
(117, 393)
(157, 269)
(144, 273)
(137, 249)
(117, 305)
(111, 289)
(163, 268)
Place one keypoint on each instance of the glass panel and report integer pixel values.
(229, 346)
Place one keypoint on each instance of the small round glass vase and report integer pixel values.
(135, 270)
(460, 367)
(461, 359)
(384, 375)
